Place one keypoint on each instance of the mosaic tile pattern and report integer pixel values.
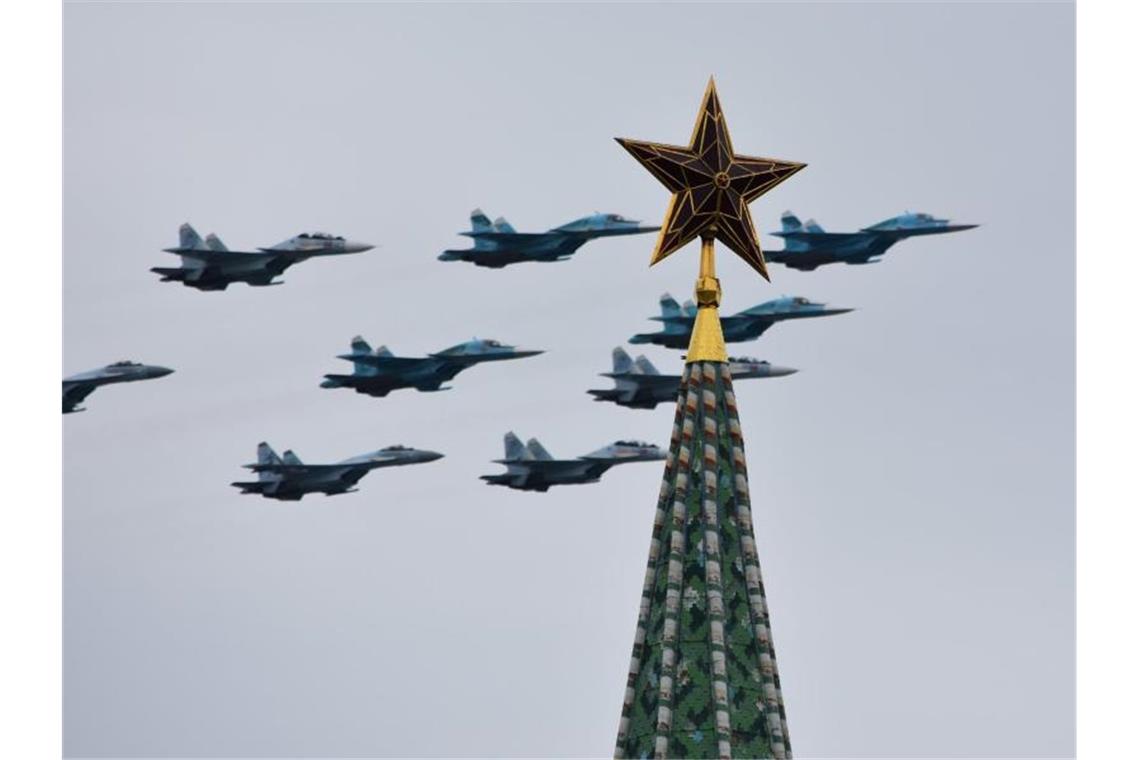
(703, 681)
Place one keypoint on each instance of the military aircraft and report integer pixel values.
(749, 324)
(376, 373)
(286, 478)
(78, 387)
(807, 246)
(639, 385)
(532, 468)
(497, 244)
(209, 265)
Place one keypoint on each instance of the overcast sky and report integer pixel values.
(913, 483)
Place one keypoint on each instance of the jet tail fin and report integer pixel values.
(789, 222)
(290, 458)
(669, 306)
(502, 225)
(513, 447)
(622, 363)
(266, 455)
(480, 222)
(537, 450)
(360, 346)
(189, 238)
(645, 367)
(214, 243)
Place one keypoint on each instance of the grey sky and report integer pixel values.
(913, 483)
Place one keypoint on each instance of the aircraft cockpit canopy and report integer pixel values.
(319, 236)
(126, 364)
(636, 444)
(396, 447)
(801, 301)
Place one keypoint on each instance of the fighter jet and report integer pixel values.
(376, 373)
(639, 385)
(209, 265)
(807, 246)
(532, 468)
(78, 387)
(497, 244)
(749, 324)
(286, 478)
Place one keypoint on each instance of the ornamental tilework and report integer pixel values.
(703, 681)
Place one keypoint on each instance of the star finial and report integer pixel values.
(711, 186)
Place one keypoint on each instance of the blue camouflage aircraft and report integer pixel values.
(376, 373)
(287, 478)
(532, 468)
(807, 246)
(78, 387)
(209, 265)
(749, 324)
(640, 385)
(497, 244)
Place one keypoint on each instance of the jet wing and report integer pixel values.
(349, 473)
(823, 238)
(543, 465)
(74, 393)
(390, 363)
(220, 257)
(637, 382)
(280, 468)
(523, 238)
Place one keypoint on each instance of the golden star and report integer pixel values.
(711, 186)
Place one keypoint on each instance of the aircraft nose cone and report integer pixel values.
(521, 354)
(353, 246)
(431, 456)
(161, 371)
(828, 311)
(776, 371)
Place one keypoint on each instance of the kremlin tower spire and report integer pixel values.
(703, 680)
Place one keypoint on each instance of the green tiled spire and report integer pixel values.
(703, 681)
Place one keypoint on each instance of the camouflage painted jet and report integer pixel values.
(376, 373)
(286, 478)
(209, 265)
(639, 385)
(532, 468)
(497, 244)
(78, 387)
(807, 246)
(749, 324)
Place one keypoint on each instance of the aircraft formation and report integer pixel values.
(208, 265)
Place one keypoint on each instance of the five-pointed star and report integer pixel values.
(711, 186)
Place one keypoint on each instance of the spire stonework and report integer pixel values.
(703, 681)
